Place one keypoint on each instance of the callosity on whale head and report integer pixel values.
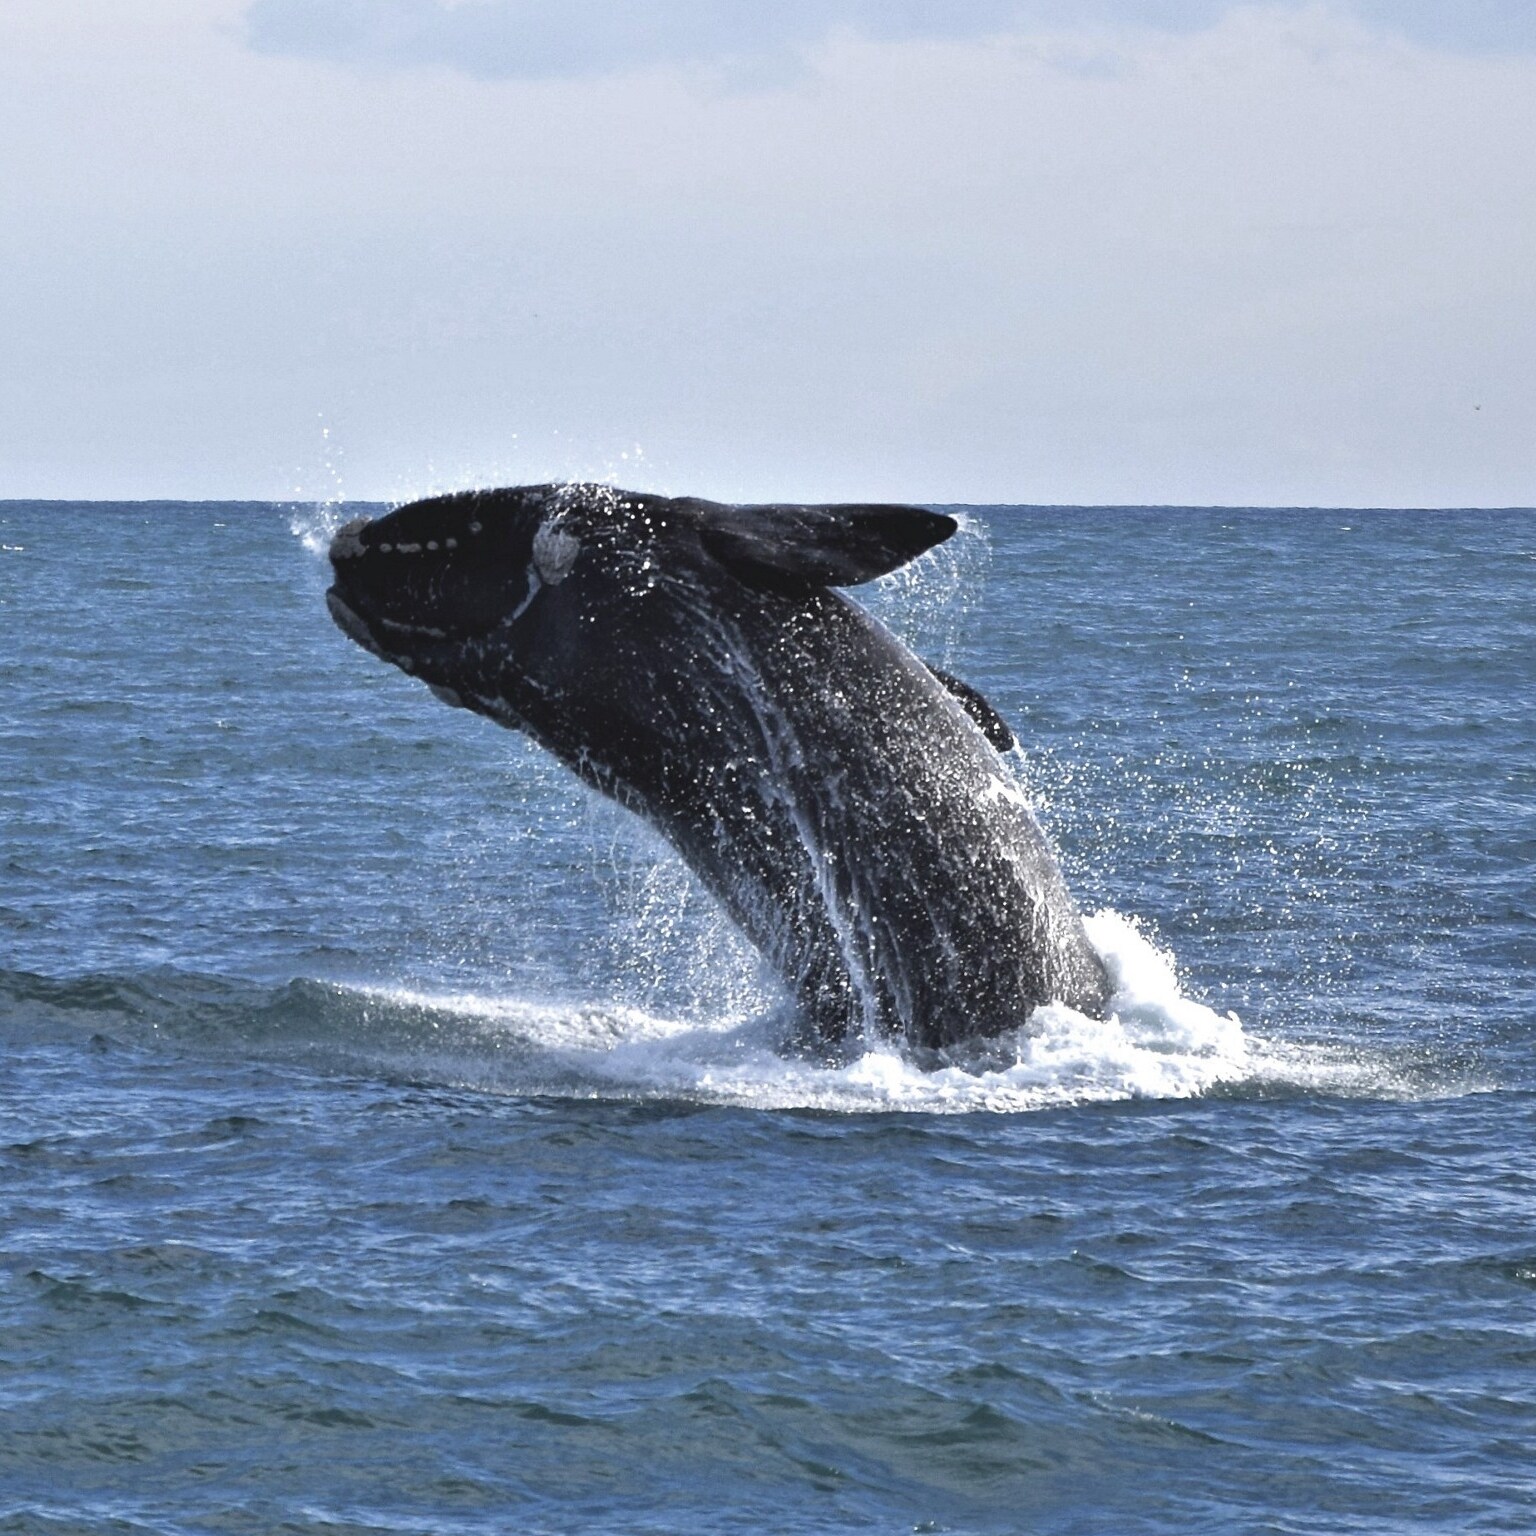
(843, 801)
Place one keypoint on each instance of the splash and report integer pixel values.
(1156, 1044)
(928, 602)
(314, 524)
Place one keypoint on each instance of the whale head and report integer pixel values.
(438, 581)
(417, 585)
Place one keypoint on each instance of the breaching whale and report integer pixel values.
(845, 803)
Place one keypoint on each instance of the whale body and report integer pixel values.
(845, 803)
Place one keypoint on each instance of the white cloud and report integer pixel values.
(542, 38)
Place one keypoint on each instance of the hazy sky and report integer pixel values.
(966, 250)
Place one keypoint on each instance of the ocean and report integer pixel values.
(392, 1138)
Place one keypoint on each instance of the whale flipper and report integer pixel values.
(787, 548)
(979, 708)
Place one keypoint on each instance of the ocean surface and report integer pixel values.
(392, 1138)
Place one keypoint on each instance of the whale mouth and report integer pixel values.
(352, 625)
(414, 648)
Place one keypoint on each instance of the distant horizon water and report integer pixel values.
(288, 502)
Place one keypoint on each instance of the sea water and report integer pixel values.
(393, 1137)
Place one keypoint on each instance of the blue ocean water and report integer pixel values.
(391, 1138)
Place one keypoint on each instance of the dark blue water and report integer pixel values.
(391, 1138)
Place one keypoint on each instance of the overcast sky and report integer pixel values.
(932, 250)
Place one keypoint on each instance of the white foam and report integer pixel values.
(1156, 1043)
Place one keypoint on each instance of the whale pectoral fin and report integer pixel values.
(975, 704)
(788, 548)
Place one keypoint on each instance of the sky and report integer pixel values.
(1111, 251)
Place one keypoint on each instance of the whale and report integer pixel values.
(701, 664)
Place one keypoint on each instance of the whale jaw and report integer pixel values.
(351, 625)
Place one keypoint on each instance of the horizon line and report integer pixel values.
(291, 502)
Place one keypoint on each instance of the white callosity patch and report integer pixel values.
(535, 586)
(554, 552)
(347, 545)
